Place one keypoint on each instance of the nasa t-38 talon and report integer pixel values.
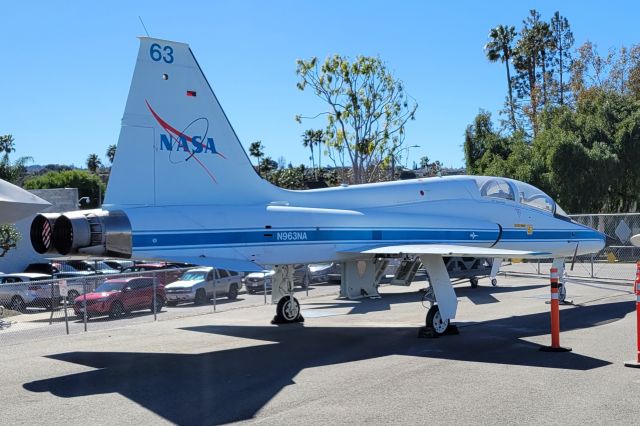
(182, 188)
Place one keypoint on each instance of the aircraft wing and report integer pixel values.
(217, 262)
(445, 250)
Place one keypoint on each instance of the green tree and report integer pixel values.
(289, 178)
(563, 41)
(256, 149)
(500, 48)
(13, 172)
(88, 184)
(367, 109)
(93, 163)
(9, 238)
(268, 164)
(531, 62)
(111, 153)
(311, 138)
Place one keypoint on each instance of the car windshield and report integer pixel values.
(193, 276)
(64, 267)
(101, 266)
(107, 286)
(320, 266)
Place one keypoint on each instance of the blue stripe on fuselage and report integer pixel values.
(407, 236)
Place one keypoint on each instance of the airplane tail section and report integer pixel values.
(176, 145)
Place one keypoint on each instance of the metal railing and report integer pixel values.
(38, 309)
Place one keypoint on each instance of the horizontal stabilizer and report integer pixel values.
(445, 250)
(218, 262)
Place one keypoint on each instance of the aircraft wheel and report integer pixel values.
(474, 282)
(288, 311)
(435, 321)
(494, 282)
(562, 293)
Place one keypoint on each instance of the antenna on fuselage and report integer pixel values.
(143, 26)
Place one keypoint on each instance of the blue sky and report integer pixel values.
(67, 65)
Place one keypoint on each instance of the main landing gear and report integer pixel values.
(441, 297)
(288, 308)
(435, 324)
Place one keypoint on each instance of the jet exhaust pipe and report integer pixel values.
(42, 232)
(90, 232)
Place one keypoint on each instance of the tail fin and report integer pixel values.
(176, 145)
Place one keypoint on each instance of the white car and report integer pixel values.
(197, 285)
(17, 291)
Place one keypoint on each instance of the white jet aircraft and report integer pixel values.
(183, 189)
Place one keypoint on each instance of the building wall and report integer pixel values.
(62, 200)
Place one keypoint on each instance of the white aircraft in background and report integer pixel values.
(183, 189)
(17, 204)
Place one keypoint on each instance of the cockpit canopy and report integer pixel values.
(519, 192)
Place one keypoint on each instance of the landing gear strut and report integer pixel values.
(441, 297)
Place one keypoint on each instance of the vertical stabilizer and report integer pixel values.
(176, 146)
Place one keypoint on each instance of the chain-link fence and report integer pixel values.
(41, 308)
(616, 262)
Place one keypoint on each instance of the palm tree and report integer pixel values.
(93, 163)
(6, 144)
(111, 153)
(500, 47)
(309, 139)
(256, 149)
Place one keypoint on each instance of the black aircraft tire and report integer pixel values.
(285, 313)
(435, 322)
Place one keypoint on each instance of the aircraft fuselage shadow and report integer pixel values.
(231, 385)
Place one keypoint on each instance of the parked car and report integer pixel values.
(197, 285)
(255, 281)
(50, 268)
(19, 291)
(165, 272)
(95, 266)
(119, 264)
(322, 272)
(79, 282)
(118, 296)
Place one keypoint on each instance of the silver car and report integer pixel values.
(18, 291)
(197, 285)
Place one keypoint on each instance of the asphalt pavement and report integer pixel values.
(351, 362)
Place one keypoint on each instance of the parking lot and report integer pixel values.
(350, 362)
(38, 323)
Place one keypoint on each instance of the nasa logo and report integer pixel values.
(176, 141)
(182, 142)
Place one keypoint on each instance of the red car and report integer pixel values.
(121, 295)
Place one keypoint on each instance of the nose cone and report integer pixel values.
(592, 243)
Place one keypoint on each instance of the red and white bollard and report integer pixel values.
(555, 317)
(636, 287)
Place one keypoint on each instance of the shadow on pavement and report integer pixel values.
(231, 385)
(478, 296)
